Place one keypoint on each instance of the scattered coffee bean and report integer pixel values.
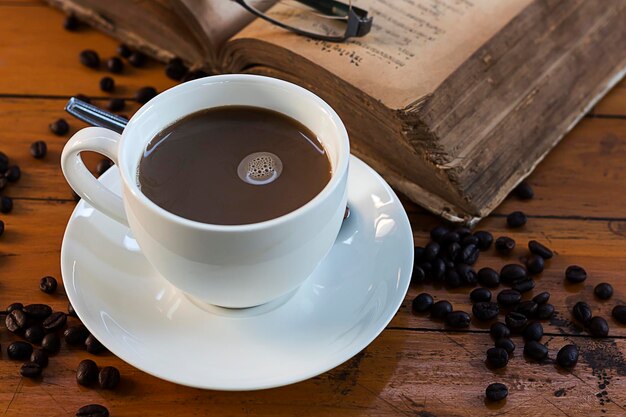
(16, 321)
(469, 254)
(4, 162)
(516, 321)
(619, 313)
(51, 343)
(438, 270)
(194, 75)
(516, 219)
(431, 251)
(567, 356)
(485, 311)
(116, 104)
(485, 239)
(480, 295)
(453, 279)
(38, 149)
(93, 345)
(3, 181)
(83, 97)
(458, 319)
(466, 273)
(603, 291)
(55, 321)
(462, 232)
(511, 273)
(75, 335)
(440, 309)
(37, 311)
(497, 357)
(70, 310)
(109, 377)
(542, 298)
(575, 274)
(137, 59)
(534, 331)
(71, 23)
(13, 173)
(92, 410)
(438, 232)
(527, 308)
(535, 350)
(422, 303)
(90, 58)
(145, 94)
(426, 268)
(506, 344)
(418, 254)
(582, 312)
(504, 245)
(107, 84)
(539, 249)
(524, 191)
(40, 357)
(124, 51)
(488, 277)
(1, 227)
(87, 372)
(15, 306)
(19, 350)
(469, 240)
(499, 330)
(544, 311)
(534, 264)
(176, 69)
(6, 204)
(452, 250)
(449, 238)
(34, 334)
(48, 284)
(496, 392)
(103, 166)
(507, 298)
(59, 127)
(115, 65)
(598, 327)
(523, 285)
(418, 274)
(30, 370)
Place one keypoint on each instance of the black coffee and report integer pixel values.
(233, 165)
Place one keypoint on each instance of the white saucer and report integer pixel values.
(336, 313)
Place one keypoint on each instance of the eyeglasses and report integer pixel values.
(327, 20)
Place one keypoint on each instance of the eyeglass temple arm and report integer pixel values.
(334, 7)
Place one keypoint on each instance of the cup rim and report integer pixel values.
(338, 172)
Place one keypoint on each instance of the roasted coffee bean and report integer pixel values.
(507, 298)
(4, 162)
(448, 238)
(485, 239)
(1, 227)
(431, 251)
(598, 327)
(115, 65)
(194, 75)
(467, 274)
(145, 94)
(3, 181)
(48, 284)
(59, 127)
(15, 306)
(418, 254)
(516, 321)
(438, 232)
(438, 271)
(51, 343)
(440, 309)
(485, 311)
(527, 308)
(70, 310)
(582, 312)
(19, 350)
(90, 58)
(40, 357)
(535, 350)
(13, 173)
(534, 331)
(511, 273)
(469, 240)
(542, 298)
(176, 69)
(458, 319)
(92, 410)
(109, 377)
(124, 51)
(55, 321)
(71, 23)
(76, 335)
(427, 268)
(523, 285)
(523, 191)
(497, 357)
(137, 59)
(93, 345)
(87, 372)
(469, 254)
(30, 370)
(34, 334)
(6, 204)
(107, 84)
(544, 311)
(116, 104)
(453, 279)
(603, 291)
(575, 274)
(499, 330)
(488, 277)
(16, 321)
(480, 295)
(452, 251)
(619, 313)
(103, 166)
(534, 264)
(418, 274)
(504, 245)
(38, 149)
(540, 249)
(422, 303)
(462, 232)
(516, 219)
(496, 392)
(506, 344)
(83, 97)
(567, 356)
(38, 311)
(449, 264)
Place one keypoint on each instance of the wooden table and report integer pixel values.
(415, 367)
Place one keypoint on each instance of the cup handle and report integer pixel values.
(102, 141)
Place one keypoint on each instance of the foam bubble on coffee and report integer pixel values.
(260, 168)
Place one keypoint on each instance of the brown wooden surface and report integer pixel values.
(415, 367)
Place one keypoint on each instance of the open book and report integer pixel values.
(453, 101)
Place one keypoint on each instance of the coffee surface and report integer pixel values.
(233, 165)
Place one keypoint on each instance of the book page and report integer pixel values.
(412, 47)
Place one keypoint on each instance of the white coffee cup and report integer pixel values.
(230, 266)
